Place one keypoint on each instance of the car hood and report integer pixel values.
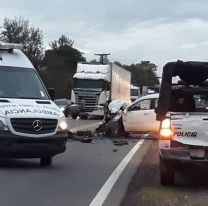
(24, 108)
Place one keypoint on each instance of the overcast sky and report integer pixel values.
(131, 30)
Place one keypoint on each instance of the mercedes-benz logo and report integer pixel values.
(37, 125)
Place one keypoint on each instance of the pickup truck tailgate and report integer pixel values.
(190, 129)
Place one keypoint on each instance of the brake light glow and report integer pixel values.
(166, 132)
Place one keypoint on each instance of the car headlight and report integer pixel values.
(62, 109)
(3, 124)
(62, 124)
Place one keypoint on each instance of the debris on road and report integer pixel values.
(84, 133)
(112, 129)
(81, 138)
(120, 142)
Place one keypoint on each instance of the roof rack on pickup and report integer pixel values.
(10, 46)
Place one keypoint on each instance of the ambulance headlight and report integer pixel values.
(3, 125)
(62, 124)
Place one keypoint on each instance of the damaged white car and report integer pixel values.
(137, 117)
(140, 116)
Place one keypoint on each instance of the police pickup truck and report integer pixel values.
(31, 125)
(183, 112)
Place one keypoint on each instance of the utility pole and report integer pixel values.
(103, 58)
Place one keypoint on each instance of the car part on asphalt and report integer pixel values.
(84, 133)
(83, 138)
(120, 142)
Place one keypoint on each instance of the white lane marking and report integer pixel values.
(88, 126)
(106, 188)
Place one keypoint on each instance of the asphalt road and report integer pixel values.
(76, 177)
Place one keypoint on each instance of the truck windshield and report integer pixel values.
(89, 84)
(23, 83)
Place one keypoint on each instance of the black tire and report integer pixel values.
(106, 130)
(121, 129)
(46, 161)
(167, 172)
(74, 116)
(116, 130)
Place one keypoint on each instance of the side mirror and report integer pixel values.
(51, 93)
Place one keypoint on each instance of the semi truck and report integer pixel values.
(97, 85)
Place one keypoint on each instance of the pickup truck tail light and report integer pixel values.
(166, 132)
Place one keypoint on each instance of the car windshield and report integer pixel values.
(23, 83)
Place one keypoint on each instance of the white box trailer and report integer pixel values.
(120, 83)
(99, 84)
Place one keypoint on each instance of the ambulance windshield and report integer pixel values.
(23, 83)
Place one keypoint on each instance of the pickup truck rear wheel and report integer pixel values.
(46, 161)
(167, 176)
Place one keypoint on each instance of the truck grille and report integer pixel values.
(34, 125)
(91, 100)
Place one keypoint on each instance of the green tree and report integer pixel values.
(143, 73)
(60, 65)
(63, 41)
(19, 30)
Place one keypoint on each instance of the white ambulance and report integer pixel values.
(31, 125)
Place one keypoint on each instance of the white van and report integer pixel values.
(31, 125)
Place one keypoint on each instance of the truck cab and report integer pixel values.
(31, 125)
(91, 85)
(182, 110)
